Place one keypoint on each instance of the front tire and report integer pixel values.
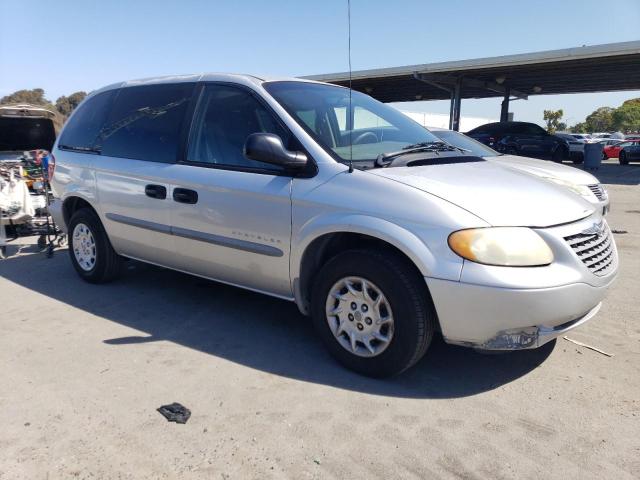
(90, 250)
(558, 155)
(372, 311)
(622, 158)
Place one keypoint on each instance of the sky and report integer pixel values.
(63, 46)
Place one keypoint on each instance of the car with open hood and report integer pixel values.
(24, 128)
(379, 231)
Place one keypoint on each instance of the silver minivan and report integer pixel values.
(377, 229)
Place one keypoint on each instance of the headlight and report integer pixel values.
(502, 246)
(581, 190)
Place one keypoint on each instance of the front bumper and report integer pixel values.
(494, 318)
(507, 308)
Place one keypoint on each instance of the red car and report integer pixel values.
(612, 151)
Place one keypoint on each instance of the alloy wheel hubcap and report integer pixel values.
(84, 247)
(359, 316)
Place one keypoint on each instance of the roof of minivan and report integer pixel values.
(201, 77)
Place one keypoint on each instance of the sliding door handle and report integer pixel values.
(184, 195)
(155, 191)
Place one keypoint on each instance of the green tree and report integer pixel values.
(626, 118)
(553, 117)
(579, 128)
(600, 120)
(65, 105)
(35, 96)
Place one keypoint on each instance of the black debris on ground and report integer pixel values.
(175, 412)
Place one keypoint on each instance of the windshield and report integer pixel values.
(460, 140)
(368, 129)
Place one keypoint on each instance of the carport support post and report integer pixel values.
(451, 109)
(455, 114)
(504, 111)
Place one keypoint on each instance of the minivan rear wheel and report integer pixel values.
(372, 312)
(90, 250)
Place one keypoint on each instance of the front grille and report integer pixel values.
(594, 248)
(598, 190)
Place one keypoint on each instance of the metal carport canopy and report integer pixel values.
(596, 68)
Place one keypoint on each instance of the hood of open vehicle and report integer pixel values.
(26, 133)
(545, 168)
(499, 195)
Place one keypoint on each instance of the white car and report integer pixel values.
(585, 137)
(306, 191)
(578, 181)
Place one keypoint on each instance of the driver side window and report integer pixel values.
(224, 118)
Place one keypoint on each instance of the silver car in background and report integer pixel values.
(378, 230)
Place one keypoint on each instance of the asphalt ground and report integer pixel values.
(85, 367)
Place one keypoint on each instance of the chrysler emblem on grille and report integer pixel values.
(595, 229)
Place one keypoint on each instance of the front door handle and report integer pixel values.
(155, 191)
(184, 195)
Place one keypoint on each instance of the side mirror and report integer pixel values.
(268, 148)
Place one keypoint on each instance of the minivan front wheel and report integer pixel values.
(372, 312)
(91, 252)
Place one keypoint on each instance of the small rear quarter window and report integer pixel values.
(83, 127)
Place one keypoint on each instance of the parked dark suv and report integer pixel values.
(521, 138)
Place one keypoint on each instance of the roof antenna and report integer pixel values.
(350, 112)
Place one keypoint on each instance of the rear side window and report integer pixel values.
(527, 129)
(144, 122)
(83, 127)
(490, 128)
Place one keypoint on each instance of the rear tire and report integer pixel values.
(622, 158)
(404, 299)
(558, 155)
(90, 250)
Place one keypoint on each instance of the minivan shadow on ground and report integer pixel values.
(251, 329)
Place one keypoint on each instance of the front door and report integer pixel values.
(531, 140)
(231, 216)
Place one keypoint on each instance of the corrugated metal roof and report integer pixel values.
(608, 67)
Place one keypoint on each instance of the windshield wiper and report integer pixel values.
(386, 159)
(80, 149)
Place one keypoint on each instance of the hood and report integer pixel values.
(498, 195)
(545, 168)
(26, 133)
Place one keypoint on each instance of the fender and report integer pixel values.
(401, 238)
